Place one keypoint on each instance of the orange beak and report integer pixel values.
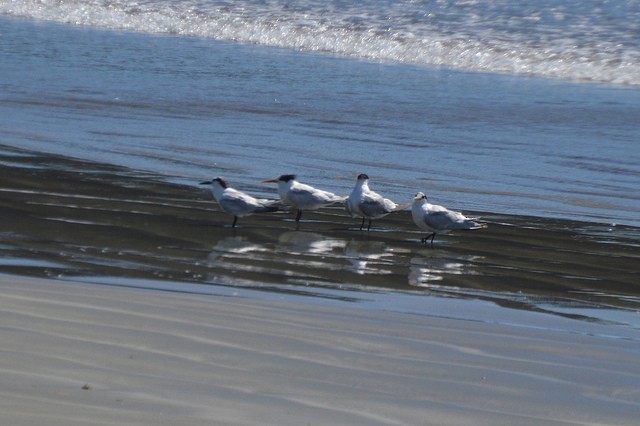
(269, 181)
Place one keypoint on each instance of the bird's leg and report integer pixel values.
(425, 239)
(362, 224)
(298, 215)
(369, 227)
(235, 220)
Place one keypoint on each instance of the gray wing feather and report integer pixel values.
(374, 208)
(446, 219)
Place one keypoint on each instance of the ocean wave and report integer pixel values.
(572, 42)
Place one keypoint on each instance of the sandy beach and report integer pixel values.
(77, 354)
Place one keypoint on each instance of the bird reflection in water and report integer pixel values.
(313, 258)
(308, 242)
(360, 256)
(232, 253)
(426, 271)
(369, 257)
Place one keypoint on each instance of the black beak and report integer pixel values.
(208, 182)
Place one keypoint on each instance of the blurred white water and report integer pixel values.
(578, 40)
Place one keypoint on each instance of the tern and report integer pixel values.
(302, 197)
(238, 203)
(365, 203)
(437, 219)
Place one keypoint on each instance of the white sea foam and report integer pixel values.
(580, 40)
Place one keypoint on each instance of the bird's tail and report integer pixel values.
(268, 206)
(400, 207)
(474, 223)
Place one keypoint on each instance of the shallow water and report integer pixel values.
(64, 218)
(192, 108)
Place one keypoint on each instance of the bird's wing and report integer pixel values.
(301, 194)
(235, 195)
(439, 217)
(237, 202)
(373, 205)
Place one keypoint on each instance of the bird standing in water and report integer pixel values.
(365, 203)
(302, 197)
(437, 219)
(238, 203)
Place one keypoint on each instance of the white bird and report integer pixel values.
(437, 219)
(238, 203)
(365, 203)
(301, 196)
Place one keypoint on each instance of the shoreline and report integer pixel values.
(87, 354)
(65, 218)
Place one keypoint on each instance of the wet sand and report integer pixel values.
(78, 354)
(291, 339)
(68, 219)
